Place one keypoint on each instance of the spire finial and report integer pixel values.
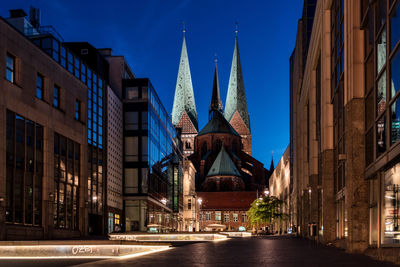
(236, 28)
(183, 27)
(215, 58)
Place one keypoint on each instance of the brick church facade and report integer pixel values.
(226, 173)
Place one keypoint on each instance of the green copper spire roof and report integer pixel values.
(223, 165)
(218, 124)
(236, 97)
(184, 96)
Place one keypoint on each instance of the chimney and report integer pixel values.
(17, 13)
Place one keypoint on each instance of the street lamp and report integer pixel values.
(200, 217)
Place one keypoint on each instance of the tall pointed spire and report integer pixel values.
(184, 97)
(216, 104)
(236, 96)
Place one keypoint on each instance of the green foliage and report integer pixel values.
(264, 210)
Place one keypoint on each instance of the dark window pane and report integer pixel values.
(10, 68)
(381, 136)
(39, 86)
(395, 26)
(395, 73)
(381, 94)
(395, 121)
(56, 97)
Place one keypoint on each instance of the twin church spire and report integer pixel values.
(184, 97)
(235, 100)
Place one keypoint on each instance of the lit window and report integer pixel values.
(226, 217)
(235, 217)
(131, 93)
(77, 110)
(244, 217)
(10, 68)
(217, 216)
(56, 96)
(39, 86)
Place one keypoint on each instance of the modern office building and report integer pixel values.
(153, 162)
(43, 144)
(345, 126)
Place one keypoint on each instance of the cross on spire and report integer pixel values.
(236, 28)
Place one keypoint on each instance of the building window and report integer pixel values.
(66, 182)
(244, 217)
(40, 86)
(56, 96)
(131, 181)
(391, 203)
(218, 216)
(131, 120)
(24, 170)
(77, 110)
(226, 217)
(110, 222)
(208, 216)
(10, 68)
(189, 204)
(131, 93)
(131, 148)
(235, 217)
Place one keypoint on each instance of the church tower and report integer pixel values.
(236, 105)
(184, 114)
(216, 104)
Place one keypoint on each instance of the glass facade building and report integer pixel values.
(153, 167)
(65, 55)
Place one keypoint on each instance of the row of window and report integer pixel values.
(382, 82)
(235, 217)
(10, 76)
(24, 170)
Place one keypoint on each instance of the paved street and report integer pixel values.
(255, 251)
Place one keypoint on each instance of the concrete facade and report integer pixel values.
(344, 167)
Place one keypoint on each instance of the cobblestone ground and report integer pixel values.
(255, 251)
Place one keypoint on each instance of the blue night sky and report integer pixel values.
(149, 35)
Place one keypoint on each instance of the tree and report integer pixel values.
(264, 210)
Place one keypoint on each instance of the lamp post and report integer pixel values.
(200, 217)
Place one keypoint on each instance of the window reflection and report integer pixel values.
(391, 205)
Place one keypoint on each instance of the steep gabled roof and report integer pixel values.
(236, 96)
(223, 165)
(218, 124)
(184, 96)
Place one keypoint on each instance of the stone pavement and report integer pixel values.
(255, 251)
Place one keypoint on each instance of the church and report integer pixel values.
(228, 179)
